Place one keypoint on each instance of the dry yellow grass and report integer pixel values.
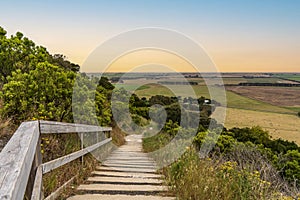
(283, 126)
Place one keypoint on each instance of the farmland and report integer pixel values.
(279, 125)
(233, 100)
(272, 108)
(293, 77)
(279, 96)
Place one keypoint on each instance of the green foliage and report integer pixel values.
(2, 32)
(19, 52)
(290, 166)
(42, 93)
(156, 142)
(284, 155)
(176, 111)
(61, 60)
(103, 110)
(104, 82)
(162, 100)
(223, 143)
(102, 102)
(90, 106)
(173, 112)
(255, 135)
(171, 128)
(192, 178)
(38, 85)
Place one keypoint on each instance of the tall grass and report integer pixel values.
(118, 136)
(218, 178)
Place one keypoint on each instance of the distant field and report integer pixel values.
(131, 87)
(212, 81)
(235, 80)
(264, 80)
(294, 77)
(233, 100)
(279, 125)
(279, 96)
(280, 121)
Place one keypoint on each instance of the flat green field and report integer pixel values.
(131, 87)
(293, 77)
(264, 80)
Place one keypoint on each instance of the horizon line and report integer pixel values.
(249, 72)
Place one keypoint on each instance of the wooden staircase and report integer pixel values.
(127, 173)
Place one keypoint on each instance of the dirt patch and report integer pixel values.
(279, 96)
(3, 141)
(6, 131)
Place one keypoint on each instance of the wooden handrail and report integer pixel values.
(20, 159)
(53, 164)
(60, 127)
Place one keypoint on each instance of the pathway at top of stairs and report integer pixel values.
(127, 173)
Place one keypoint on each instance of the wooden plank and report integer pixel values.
(32, 177)
(57, 192)
(37, 193)
(60, 127)
(53, 164)
(16, 160)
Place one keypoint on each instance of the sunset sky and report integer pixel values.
(240, 36)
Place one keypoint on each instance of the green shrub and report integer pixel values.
(194, 178)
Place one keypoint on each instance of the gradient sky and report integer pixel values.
(240, 36)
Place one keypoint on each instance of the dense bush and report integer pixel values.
(216, 178)
(283, 155)
(45, 92)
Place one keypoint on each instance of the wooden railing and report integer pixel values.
(21, 167)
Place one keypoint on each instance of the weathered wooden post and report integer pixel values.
(97, 136)
(81, 145)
